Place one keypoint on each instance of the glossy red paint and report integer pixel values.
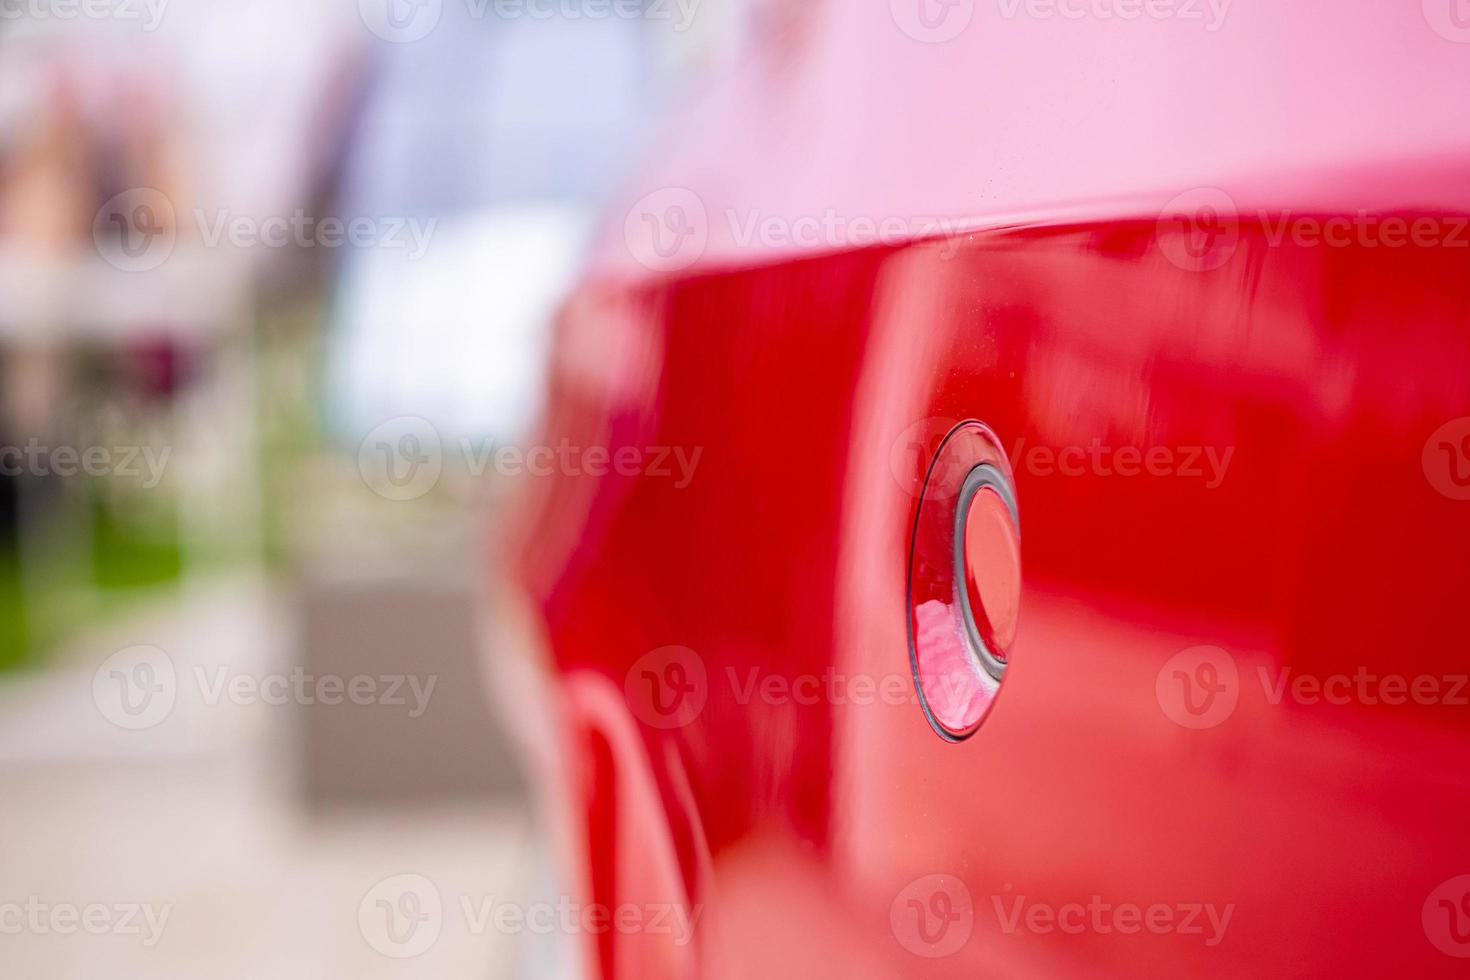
(1233, 736)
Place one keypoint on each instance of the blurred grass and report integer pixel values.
(93, 550)
(72, 581)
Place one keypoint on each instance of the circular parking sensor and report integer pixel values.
(964, 587)
(987, 557)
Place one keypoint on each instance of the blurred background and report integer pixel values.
(276, 279)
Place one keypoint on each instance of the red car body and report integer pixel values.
(1209, 288)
